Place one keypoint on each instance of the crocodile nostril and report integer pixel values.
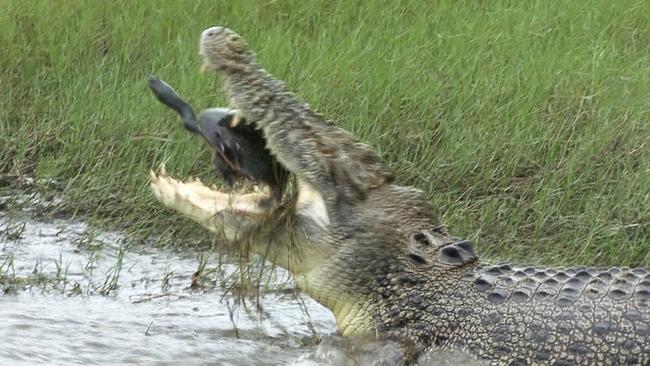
(211, 32)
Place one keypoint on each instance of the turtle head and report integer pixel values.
(216, 128)
(224, 50)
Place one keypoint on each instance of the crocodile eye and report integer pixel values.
(217, 134)
(451, 254)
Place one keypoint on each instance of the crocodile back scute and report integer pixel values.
(573, 316)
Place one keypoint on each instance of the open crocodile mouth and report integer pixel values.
(234, 216)
(205, 204)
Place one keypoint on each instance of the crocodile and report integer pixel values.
(373, 252)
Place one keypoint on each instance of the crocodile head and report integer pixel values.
(358, 271)
(224, 50)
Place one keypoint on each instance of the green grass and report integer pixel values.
(525, 122)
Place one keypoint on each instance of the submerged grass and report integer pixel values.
(525, 122)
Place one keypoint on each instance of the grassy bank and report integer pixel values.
(525, 122)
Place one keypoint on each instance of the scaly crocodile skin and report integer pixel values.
(394, 272)
(519, 315)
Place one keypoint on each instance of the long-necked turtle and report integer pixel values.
(239, 150)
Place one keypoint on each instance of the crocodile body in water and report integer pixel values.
(374, 253)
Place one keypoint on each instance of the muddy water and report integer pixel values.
(72, 296)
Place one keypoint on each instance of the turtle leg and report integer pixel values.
(168, 96)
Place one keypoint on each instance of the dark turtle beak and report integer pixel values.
(229, 156)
